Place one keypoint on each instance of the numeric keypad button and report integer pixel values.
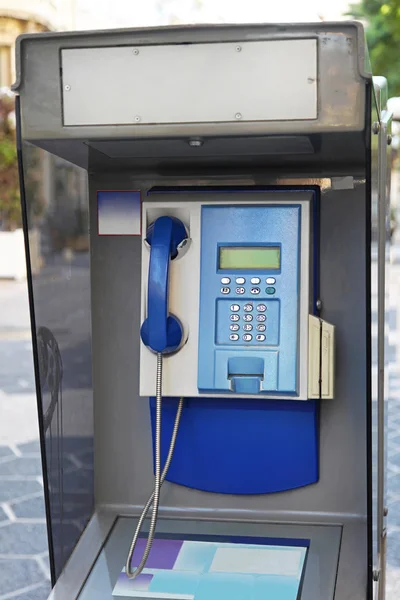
(234, 327)
(261, 318)
(247, 337)
(248, 307)
(235, 307)
(247, 317)
(260, 337)
(260, 327)
(261, 307)
(234, 337)
(234, 317)
(247, 327)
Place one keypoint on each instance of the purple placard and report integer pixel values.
(163, 553)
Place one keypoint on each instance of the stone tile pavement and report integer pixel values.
(24, 571)
(24, 566)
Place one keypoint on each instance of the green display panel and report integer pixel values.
(249, 257)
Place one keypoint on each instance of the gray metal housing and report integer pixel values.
(332, 152)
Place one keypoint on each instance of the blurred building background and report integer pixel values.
(31, 16)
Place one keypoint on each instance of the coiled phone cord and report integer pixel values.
(158, 478)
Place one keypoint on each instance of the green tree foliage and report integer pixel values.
(10, 208)
(383, 36)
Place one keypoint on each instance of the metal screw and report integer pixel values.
(318, 304)
(67, 88)
(389, 139)
(137, 119)
(136, 51)
(196, 143)
(375, 574)
(385, 511)
(376, 126)
(238, 48)
(238, 116)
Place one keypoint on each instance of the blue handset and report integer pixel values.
(161, 331)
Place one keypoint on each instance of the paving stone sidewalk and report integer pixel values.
(24, 571)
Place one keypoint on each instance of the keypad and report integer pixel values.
(252, 328)
(251, 316)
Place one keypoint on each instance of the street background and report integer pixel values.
(24, 567)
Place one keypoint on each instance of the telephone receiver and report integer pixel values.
(161, 331)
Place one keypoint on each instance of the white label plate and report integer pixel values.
(190, 83)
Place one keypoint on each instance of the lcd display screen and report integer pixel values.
(251, 258)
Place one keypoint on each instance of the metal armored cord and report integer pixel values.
(158, 479)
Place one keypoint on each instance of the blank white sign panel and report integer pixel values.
(190, 83)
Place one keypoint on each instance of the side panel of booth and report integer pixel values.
(55, 217)
(380, 257)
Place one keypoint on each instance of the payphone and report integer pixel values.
(233, 254)
(244, 294)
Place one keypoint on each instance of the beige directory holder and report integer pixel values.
(321, 358)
